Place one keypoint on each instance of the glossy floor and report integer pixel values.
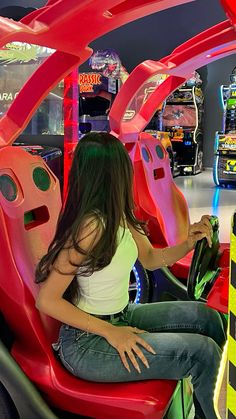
(203, 197)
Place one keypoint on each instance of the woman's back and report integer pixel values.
(106, 291)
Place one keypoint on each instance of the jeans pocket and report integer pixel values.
(80, 334)
(66, 364)
(56, 345)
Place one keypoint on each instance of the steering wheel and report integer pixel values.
(204, 270)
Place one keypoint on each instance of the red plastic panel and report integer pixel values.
(218, 296)
(202, 49)
(181, 268)
(230, 8)
(159, 200)
(28, 216)
(67, 26)
(56, 25)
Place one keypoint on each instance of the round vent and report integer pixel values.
(8, 187)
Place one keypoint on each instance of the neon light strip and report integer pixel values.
(137, 298)
(215, 201)
(222, 96)
(219, 380)
(196, 109)
(215, 171)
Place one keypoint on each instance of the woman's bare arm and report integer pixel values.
(50, 298)
(154, 258)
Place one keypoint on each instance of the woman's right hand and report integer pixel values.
(199, 230)
(125, 340)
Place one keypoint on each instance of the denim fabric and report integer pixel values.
(187, 336)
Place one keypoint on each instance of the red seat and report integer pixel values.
(28, 218)
(158, 195)
(181, 268)
(159, 201)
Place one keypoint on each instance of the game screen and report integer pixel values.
(143, 94)
(93, 106)
(231, 103)
(230, 166)
(96, 93)
(179, 115)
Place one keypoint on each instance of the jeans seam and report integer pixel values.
(176, 326)
(185, 356)
(101, 352)
(66, 363)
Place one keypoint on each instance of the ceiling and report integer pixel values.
(16, 9)
(23, 3)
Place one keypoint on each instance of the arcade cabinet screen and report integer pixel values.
(179, 115)
(93, 106)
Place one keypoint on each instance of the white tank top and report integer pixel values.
(106, 291)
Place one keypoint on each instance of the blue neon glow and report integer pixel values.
(215, 171)
(187, 142)
(215, 202)
(138, 295)
(222, 96)
(216, 145)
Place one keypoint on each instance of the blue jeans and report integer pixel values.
(187, 337)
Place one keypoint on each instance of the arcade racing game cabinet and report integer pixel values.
(155, 129)
(98, 88)
(96, 96)
(224, 170)
(182, 118)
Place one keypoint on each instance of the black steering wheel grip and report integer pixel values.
(203, 270)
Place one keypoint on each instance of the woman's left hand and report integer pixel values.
(199, 230)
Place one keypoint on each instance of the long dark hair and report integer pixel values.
(99, 187)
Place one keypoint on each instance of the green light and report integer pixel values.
(28, 217)
(159, 152)
(41, 178)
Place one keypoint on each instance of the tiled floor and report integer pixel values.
(204, 197)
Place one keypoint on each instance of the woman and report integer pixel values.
(85, 278)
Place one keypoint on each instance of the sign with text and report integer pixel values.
(88, 81)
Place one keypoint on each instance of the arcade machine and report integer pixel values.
(182, 117)
(96, 96)
(224, 169)
(17, 62)
(155, 129)
(98, 89)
